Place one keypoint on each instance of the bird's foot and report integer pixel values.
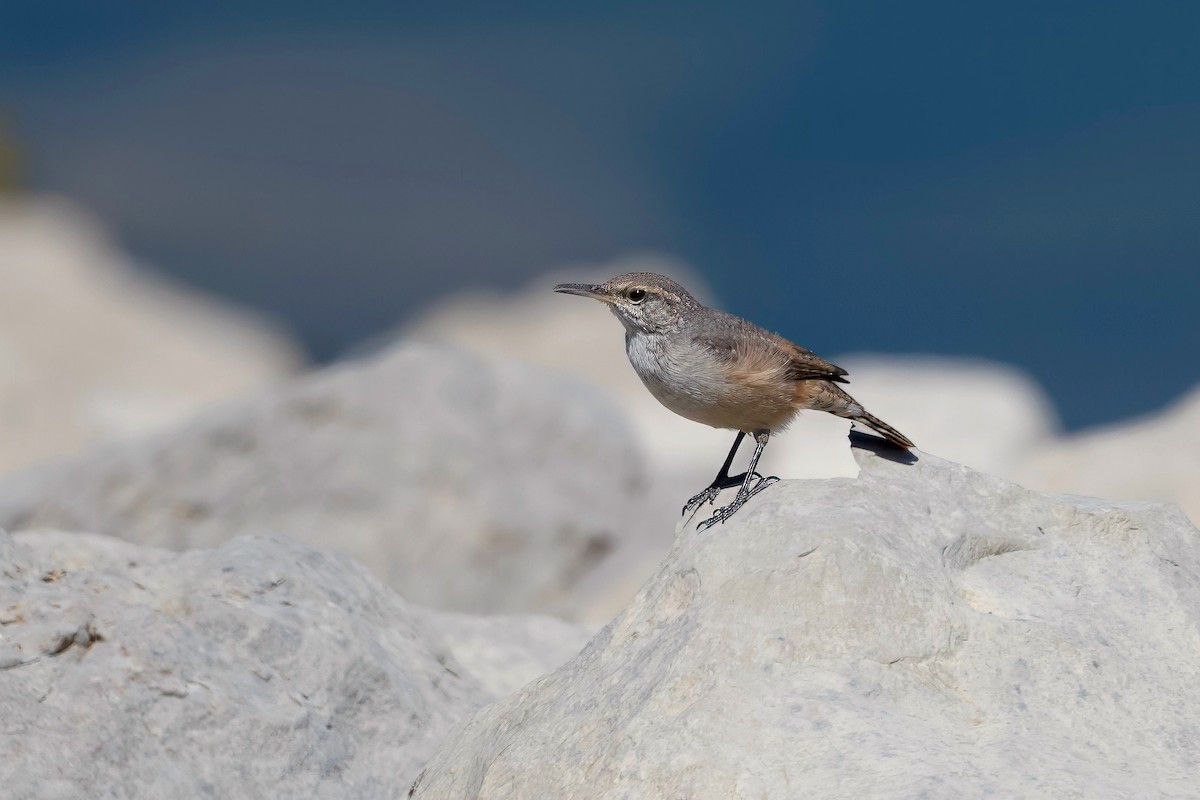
(722, 514)
(709, 495)
(763, 483)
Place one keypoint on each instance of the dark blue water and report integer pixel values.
(1016, 181)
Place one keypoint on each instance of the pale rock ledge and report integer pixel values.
(923, 630)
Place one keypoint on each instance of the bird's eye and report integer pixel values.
(636, 295)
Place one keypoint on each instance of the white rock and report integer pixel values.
(466, 483)
(260, 669)
(93, 349)
(1156, 457)
(920, 631)
(503, 653)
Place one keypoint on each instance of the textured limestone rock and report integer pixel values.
(93, 349)
(258, 669)
(466, 483)
(921, 631)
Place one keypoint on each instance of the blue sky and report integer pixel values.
(1019, 181)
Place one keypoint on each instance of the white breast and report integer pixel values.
(694, 382)
(681, 376)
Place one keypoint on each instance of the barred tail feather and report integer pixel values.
(834, 399)
(886, 431)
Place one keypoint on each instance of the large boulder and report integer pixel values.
(94, 349)
(466, 483)
(258, 669)
(922, 630)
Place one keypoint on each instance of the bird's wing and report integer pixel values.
(804, 364)
(734, 338)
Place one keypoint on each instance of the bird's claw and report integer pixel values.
(722, 514)
(709, 495)
(763, 483)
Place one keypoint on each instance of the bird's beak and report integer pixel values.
(583, 290)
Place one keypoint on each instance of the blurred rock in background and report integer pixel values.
(465, 482)
(94, 349)
(1155, 457)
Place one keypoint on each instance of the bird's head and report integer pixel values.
(644, 301)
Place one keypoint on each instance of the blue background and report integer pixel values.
(1019, 181)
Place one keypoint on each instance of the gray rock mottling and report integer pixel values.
(94, 348)
(465, 483)
(258, 669)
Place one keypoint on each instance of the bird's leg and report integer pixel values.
(722, 481)
(747, 491)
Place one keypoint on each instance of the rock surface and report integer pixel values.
(93, 349)
(920, 631)
(259, 669)
(465, 483)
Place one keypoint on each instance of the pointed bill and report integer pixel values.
(583, 290)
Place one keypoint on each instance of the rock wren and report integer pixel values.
(718, 369)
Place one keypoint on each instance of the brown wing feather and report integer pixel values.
(807, 365)
(733, 334)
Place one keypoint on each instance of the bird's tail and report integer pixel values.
(886, 431)
(850, 409)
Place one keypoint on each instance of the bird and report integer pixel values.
(723, 371)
